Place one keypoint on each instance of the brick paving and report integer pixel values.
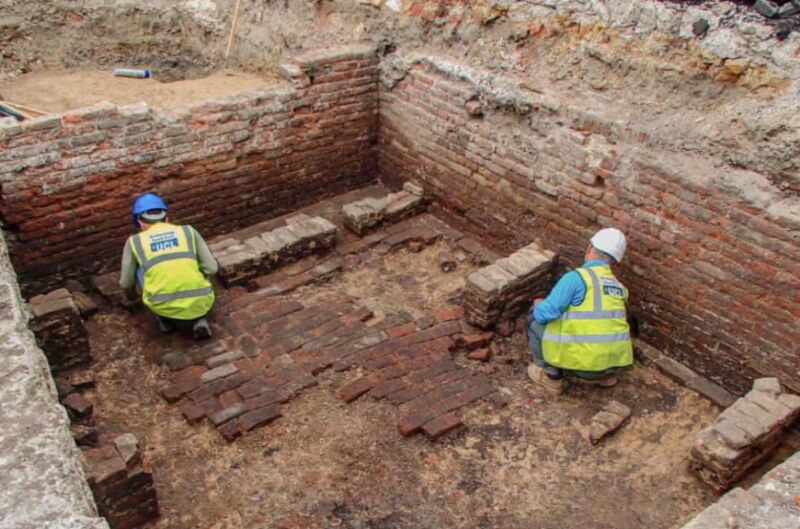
(271, 347)
(282, 345)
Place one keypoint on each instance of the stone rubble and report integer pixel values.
(121, 483)
(447, 262)
(744, 434)
(59, 330)
(240, 261)
(364, 215)
(607, 421)
(501, 291)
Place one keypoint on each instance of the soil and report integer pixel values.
(330, 464)
(55, 91)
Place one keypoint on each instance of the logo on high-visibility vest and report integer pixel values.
(612, 287)
(163, 241)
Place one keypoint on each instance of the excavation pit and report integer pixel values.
(517, 126)
(365, 471)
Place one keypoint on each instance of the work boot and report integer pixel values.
(201, 329)
(605, 382)
(538, 375)
(164, 325)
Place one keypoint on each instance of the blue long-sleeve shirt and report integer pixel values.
(569, 290)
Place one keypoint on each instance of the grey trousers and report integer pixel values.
(535, 333)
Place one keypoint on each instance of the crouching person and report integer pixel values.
(581, 329)
(170, 265)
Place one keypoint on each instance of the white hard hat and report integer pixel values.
(610, 241)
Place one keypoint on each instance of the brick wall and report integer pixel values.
(67, 181)
(713, 261)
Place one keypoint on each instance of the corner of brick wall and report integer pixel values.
(67, 181)
(712, 261)
(43, 483)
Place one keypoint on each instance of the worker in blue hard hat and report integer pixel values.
(170, 264)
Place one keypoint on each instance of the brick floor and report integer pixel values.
(271, 348)
(295, 343)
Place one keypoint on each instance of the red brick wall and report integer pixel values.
(68, 181)
(712, 265)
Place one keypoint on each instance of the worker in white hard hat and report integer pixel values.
(581, 328)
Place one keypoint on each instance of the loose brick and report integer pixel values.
(215, 387)
(229, 398)
(385, 388)
(226, 414)
(218, 372)
(356, 388)
(441, 425)
(270, 396)
(401, 330)
(187, 374)
(412, 421)
(481, 355)
(229, 431)
(475, 341)
(259, 417)
(450, 314)
(78, 406)
(196, 411)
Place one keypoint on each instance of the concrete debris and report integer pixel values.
(744, 434)
(447, 262)
(607, 421)
(767, 8)
(789, 9)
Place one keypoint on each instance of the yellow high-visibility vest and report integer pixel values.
(594, 335)
(174, 286)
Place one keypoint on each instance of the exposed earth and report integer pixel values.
(330, 464)
(55, 91)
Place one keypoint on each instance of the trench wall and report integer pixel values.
(41, 478)
(713, 262)
(67, 181)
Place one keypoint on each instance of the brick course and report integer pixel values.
(712, 261)
(59, 330)
(68, 180)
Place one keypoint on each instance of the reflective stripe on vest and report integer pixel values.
(594, 335)
(161, 298)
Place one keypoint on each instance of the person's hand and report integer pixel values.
(535, 301)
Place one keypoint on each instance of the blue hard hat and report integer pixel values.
(147, 202)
